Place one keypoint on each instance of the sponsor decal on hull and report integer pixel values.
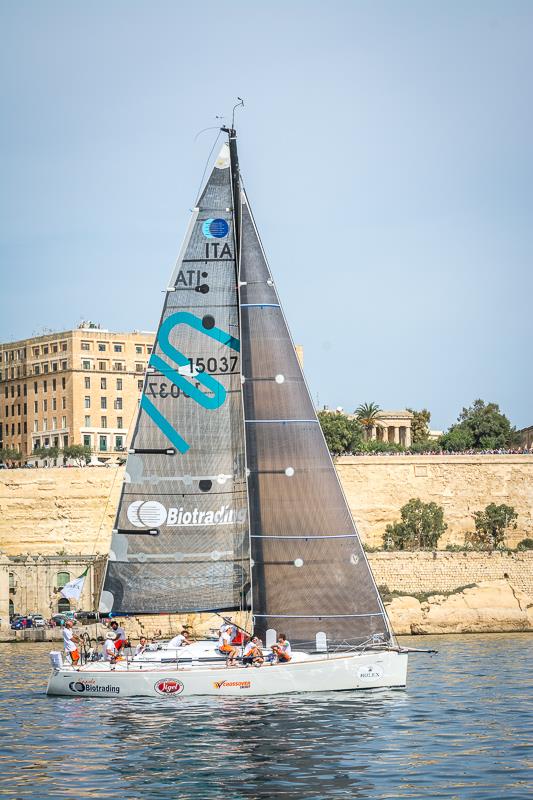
(168, 687)
(239, 684)
(370, 673)
(91, 687)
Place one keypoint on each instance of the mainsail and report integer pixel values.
(310, 573)
(180, 542)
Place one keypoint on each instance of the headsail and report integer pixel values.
(309, 573)
(180, 542)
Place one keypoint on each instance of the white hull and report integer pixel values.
(370, 670)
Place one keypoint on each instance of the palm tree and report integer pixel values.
(367, 414)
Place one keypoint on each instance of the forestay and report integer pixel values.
(180, 542)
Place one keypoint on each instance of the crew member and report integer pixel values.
(252, 653)
(282, 649)
(225, 647)
(109, 651)
(180, 640)
(141, 647)
(70, 642)
(120, 635)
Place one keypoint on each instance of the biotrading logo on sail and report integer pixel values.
(152, 514)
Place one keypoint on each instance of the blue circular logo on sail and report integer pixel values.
(215, 228)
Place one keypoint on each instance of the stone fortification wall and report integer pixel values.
(420, 573)
(378, 486)
(48, 511)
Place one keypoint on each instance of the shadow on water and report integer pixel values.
(462, 729)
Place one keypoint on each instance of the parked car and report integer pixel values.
(22, 623)
(61, 618)
(38, 621)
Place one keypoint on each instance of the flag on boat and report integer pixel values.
(73, 589)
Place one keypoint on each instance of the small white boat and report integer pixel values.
(230, 501)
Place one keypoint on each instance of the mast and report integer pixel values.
(236, 189)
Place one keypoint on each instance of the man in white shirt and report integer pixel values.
(282, 649)
(180, 640)
(252, 653)
(70, 642)
(109, 650)
(141, 647)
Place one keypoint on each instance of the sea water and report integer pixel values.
(463, 728)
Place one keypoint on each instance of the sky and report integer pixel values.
(387, 150)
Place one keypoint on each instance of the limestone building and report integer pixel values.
(79, 386)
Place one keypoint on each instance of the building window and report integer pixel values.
(35, 425)
(63, 347)
(103, 402)
(118, 403)
(102, 366)
(54, 423)
(140, 385)
(87, 440)
(45, 350)
(138, 348)
(54, 404)
(118, 366)
(54, 366)
(11, 609)
(45, 405)
(54, 384)
(119, 384)
(45, 368)
(86, 365)
(45, 386)
(103, 383)
(36, 369)
(36, 444)
(117, 348)
(87, 402)
(65, 440)
(63, 422)
(103, 444)
(139, 367)
(45, 426)
(35, 406)
(63, 382)
(35, 352)
(87, 420)
(149, 349)
(35, 386)
(63, 402)
(119, 444)
(85, 345)
(63, 605)
(62, 578)
(54, 348)
(103, 422)
(101, 347)
(63, 365)
(120, 424)
(25, 427)
(87, 383)
(11, 581)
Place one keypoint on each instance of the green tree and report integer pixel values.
(420, 528)
(457, 438)
(10, 455)
(341, 433)
(420, 425)
(492, 524)
(47, 452)
(367, 414)
(79, 452)
(485, 426)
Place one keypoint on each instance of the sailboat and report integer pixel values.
(230, 501)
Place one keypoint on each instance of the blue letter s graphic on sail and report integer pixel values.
(211, 384)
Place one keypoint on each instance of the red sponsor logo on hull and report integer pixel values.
(168, 687)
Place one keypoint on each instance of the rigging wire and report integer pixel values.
(208, 160)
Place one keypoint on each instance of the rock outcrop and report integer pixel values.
(486, 607)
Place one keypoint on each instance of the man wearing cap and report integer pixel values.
(109, 651)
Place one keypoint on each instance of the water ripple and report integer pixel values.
(462, 729)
